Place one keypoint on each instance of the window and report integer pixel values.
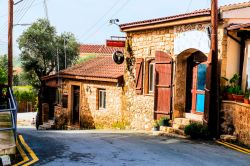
(151, 77)
(102, 99)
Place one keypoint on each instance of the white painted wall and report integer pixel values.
(246, 68)
(237, 16)
(233, 57)
(237, 13)
(192, 39)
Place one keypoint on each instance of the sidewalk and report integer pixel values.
(26, 119)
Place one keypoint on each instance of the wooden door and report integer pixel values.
(163, 84)
(76, 104)
(198, 88)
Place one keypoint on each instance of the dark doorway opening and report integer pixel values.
(51, 100)
(76, 104)
(195, 82)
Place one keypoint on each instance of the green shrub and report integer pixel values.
(25, 94)
(164, 121)
(197, 130)
(119, 125)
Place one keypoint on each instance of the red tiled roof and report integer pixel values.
(196, 13)
(100, 67)
(98, 49)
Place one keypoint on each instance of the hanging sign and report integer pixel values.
(115, 43)
(118, 57)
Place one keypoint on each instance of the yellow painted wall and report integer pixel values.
(233, 57)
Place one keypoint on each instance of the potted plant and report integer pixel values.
(229, 92)
(246, 98)
(164, 121)
(238, 95)
(156, 126)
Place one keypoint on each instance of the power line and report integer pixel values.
(19, 9)
(23, 14)
(117, 11)
(101, 18)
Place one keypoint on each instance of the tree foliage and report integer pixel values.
(40, 45)
(3, 69)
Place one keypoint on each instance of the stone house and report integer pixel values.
(87, 95)
(166, 61)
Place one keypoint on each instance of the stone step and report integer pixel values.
(5, 124)
(7, 143)
(228, 138)
(5, 117)
(73, 127)
(7, 135)
(7, 149)
(178, 126)
(172, 130)
(182, 121)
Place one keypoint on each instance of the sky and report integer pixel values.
(89, 19)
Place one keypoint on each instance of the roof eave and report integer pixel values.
(163, 24)
(87, 78)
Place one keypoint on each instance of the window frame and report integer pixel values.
(149, 62)
(151, 82)
(102, 99)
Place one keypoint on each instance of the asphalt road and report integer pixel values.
(109, 148)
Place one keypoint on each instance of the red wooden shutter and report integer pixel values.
(163, 84)
(139, 75)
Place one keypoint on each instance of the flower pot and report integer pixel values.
(229, 96)
(238, 98)
(246, 101)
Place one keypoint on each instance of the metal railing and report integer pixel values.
(12, 109)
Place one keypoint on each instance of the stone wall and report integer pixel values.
(90, 115)
(143, 44)
(235, 119)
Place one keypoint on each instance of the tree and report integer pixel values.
(40, 48)
(3, 69)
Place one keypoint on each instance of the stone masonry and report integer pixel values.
(235, 119)
(143, 44)
(90, 115)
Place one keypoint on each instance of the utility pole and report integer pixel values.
(10, 43)
(212, 83)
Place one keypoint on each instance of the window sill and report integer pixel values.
(102, 109)
(149, 94)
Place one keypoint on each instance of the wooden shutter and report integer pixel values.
(139, 75)
(163, 84)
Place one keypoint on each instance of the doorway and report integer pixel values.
(196, 82)
(76, 104)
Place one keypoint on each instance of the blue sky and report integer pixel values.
(89, 19)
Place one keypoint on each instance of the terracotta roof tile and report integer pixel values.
(101, 67)
(196, 13)
(98, 49)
